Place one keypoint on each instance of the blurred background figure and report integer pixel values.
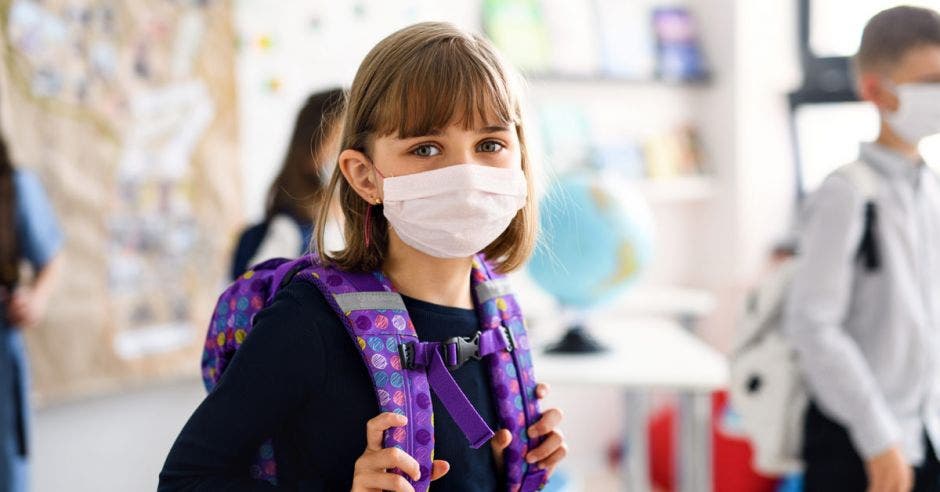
(292, 200)
(28, 232)
(861, 309)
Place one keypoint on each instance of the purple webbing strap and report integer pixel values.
(492, 341)
(477, 431)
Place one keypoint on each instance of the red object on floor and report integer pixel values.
(731, 455)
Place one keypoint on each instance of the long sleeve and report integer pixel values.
(267, 383)
(841, 380)
(37, 228)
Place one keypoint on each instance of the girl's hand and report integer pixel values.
(371, 473)
(24, 308)
(553, 448)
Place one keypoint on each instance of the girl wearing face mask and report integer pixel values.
(433, 170)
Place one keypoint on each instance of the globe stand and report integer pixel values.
(576, 340)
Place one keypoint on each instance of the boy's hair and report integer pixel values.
(297, 188)
(892, 33)
(417, 80)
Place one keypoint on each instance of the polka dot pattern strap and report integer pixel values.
(512, 377)
(377, 322)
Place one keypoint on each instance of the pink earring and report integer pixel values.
(368, 222)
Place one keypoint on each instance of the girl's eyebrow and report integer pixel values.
(494, 129)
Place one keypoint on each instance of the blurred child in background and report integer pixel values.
(292, 200)
(869, 338)
(28, 231)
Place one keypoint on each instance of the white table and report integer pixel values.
(646, 354)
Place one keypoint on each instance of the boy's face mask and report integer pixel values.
(918, 113)
(455, 211)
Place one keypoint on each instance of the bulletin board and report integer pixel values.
(127, 113)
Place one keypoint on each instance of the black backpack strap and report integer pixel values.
(869, 252)
(865, 179)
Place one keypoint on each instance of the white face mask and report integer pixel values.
(455, 211)
(918, 113)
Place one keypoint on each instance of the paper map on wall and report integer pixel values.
(126, 111)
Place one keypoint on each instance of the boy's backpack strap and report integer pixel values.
(865, 180)
(511, 373)
(863, 177)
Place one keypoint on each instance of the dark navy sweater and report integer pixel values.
(299, 378)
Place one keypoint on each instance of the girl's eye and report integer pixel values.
(426, 150)
(490, 146)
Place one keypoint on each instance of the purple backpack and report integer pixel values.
(404, 370)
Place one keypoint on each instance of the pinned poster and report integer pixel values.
(518, 28)
(678, 51)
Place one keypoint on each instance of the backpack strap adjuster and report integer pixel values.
(508, 337)
(406, 352)
(455, 352)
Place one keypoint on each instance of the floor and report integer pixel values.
(115, 443)
(119, 442)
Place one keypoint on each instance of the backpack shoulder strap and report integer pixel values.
(862, 177)
(511, 373)
(378, 323)
(865, 180)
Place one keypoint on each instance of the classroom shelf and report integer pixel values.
(602, 78)
(678, 189)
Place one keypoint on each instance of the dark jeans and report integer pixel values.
(832, 464)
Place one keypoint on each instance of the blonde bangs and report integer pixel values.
(445, 83)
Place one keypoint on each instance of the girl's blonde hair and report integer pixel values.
(424, 78)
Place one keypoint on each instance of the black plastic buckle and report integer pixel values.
(406, 352)
(467, 349)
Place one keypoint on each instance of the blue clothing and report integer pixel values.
(40, 239)
(249, 242)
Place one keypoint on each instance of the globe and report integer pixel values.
(597, 239)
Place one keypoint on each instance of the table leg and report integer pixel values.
(694, 446)
(636, 464)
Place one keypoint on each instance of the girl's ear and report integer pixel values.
(360, 174)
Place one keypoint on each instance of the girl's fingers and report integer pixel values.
(550, 419)
(499, 443)
(390, 458)
(439, 469)
(382, 481)
(553, 442)
(375, 428)
(541, 391)
(501, 440)
(552, 461)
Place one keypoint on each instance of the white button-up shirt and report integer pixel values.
(868, 341)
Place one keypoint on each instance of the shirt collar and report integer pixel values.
(892, 163)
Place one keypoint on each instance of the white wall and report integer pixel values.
(314, 45)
